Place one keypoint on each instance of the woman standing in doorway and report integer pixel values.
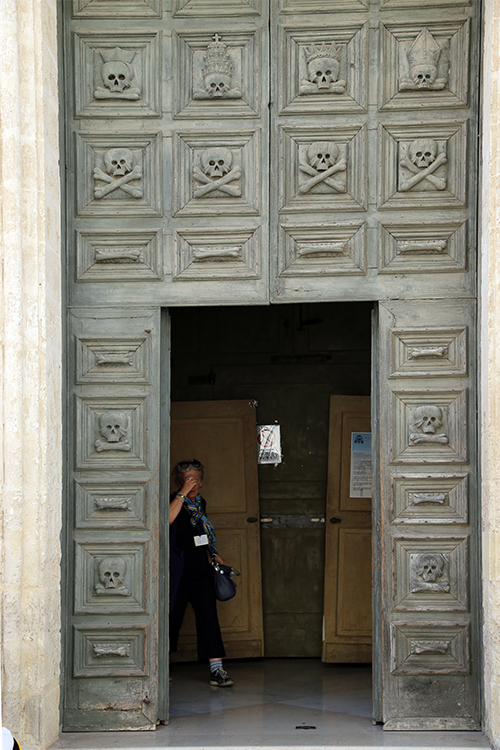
(192, 544)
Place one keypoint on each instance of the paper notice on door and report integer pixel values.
(361, 464)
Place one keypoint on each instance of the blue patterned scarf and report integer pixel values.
(195, 507)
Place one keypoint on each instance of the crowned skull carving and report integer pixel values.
(118, 75)
(112, 571)
(428, 573)
(423, 59)
(323, 68)
(216, 174)
(427, 425)
(114, 432)
(216, 73)
(423, 166)
(120, 172)
(325, 165)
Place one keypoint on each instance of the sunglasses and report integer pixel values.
(194, 464)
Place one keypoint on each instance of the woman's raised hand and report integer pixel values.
(190, 483)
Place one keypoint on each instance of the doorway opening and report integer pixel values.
(297, 362)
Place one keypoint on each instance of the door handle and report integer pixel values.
(335, 520)
(252, 520)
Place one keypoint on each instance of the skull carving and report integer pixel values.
(428, 419)
(216, 162)
(116, 75)
(217, 84)
(323, 71)
(113, 426)
(322, 155)
(118, 161)
(423, 76)
(423, 152)
(430, 567)
(112, 572)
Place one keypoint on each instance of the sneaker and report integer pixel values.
(220, 678)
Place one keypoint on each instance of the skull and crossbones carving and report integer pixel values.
(216, 173)
(428, 573)
(426, 421)
(112, 571)
(423, 59)
(324, 160)
(114, 432)
(120, 171)
(418, 170)
(118, 75)
(323, 68)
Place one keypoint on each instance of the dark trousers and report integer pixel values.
(197, 588)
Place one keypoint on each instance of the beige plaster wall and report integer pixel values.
(490, 366)
(30, 391)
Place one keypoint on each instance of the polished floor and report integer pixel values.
(274, 703)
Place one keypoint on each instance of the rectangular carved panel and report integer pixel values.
(119, 255)
(116, 8)
(429, 426)
(430, 498)
(104, 359)
(429, 352)
(208, 254)
(109, 652)
(319, 250)
(111, 578)
(420, 648)
(116, 75)
(427, 246)
(217, 7)
(431, 574)
(120, 504)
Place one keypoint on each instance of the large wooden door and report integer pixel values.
(222, 435)
(347, 631)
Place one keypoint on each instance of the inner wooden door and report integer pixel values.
(222, 435)
(347, 635)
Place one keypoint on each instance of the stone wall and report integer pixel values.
(30, 329)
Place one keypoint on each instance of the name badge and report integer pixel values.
(200, 541)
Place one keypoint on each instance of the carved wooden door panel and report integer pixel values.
(429, 555)
(111, 566)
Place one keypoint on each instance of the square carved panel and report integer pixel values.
(208, 254)
(116, 74)
(421, 648)
(424, 165)
(319, 250)
(118, 174)
(111, 505)
(322, 169)
(101, 359)
(110, 578)
(109, 652)
(116, 8)
(429, 352)
(119, 255)
(431, 574)
(425, 66)
(323, 70)
(217, 7)
(112, 433)
(429, 426)
(217, 75)
(423, 246)
(405, 4)
(216, 174)
(429, 498)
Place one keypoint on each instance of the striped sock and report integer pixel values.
(215, 665)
